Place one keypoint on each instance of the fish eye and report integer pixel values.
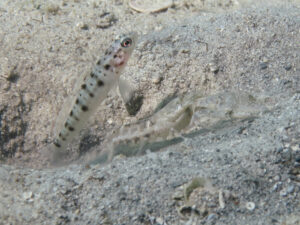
(126, 43)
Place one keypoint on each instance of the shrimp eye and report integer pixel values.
(126, 43)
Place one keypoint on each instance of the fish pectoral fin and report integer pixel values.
(126, 89)
(132, 98)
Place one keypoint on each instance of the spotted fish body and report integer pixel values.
(104, 75)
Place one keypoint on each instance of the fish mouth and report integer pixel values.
(120, 59)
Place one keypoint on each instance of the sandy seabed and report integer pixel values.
(252, 166)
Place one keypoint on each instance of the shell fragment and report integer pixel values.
(150, 6)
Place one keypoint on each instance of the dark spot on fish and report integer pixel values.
(107, 52)
(99, 62)
(57, 144)
(77, 101)
(91, 95)
(59, 134)
(107, 66)
(115, 56)
(147, 135)
(63, 139)
(66, 124)
(71, 113)
(83, 86)
(92, 74)
(71, 129)
(91, 84)
(100, 83)
(84, 108)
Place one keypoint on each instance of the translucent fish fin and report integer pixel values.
(132, 98)
(126, 89)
